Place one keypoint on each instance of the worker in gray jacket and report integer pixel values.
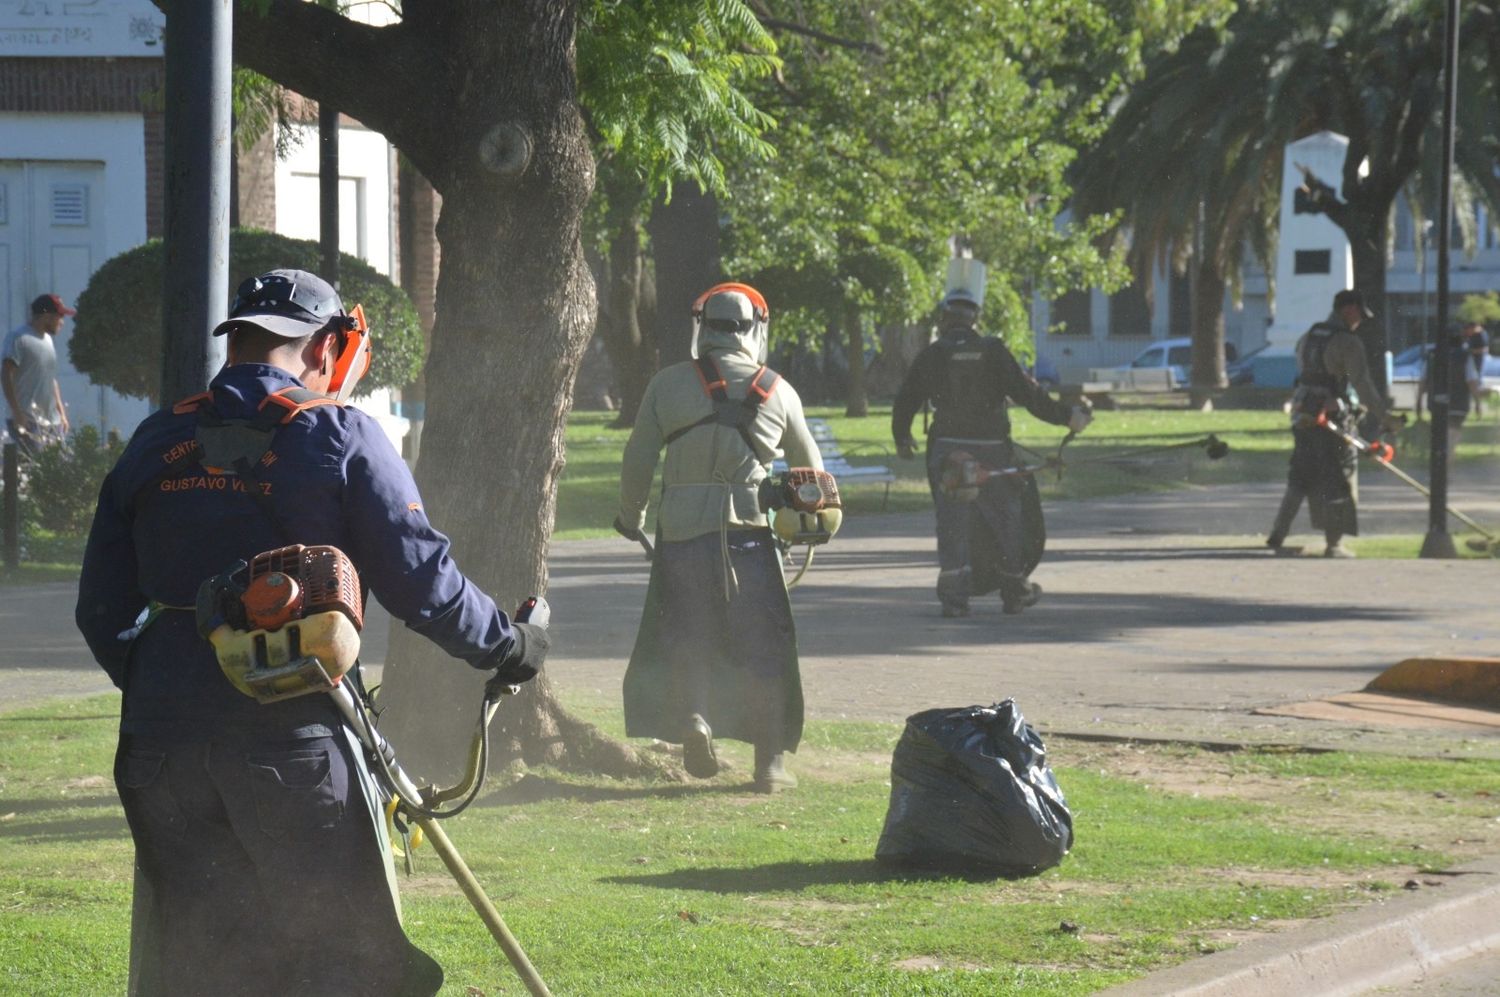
(716, 653)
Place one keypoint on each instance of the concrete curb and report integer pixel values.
(1384, 944)
(1475, 681)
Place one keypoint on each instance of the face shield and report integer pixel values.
(731, 317)
(354, 355)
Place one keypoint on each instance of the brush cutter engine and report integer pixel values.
(286, 624)
(804, 506)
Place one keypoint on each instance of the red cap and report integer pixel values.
(51, 304)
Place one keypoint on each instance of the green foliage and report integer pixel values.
(62, 482)
(660, 82)
(901, 125)
(117, 335)
(1482, 308)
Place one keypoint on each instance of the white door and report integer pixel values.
(52, 239)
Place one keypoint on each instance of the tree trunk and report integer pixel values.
(685, 245)
(857, 404)
(632, 354)
(1366, 230)
(515, 309)
(1207, 375)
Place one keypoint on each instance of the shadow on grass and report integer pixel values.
(98, 827)
(533, 788)
(794, 876)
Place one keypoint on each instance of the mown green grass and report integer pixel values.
(658, 888)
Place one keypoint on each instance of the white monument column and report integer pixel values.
(1313, 261)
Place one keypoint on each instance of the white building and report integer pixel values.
(81, 167)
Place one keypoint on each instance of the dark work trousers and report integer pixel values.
(264, 867)
(1000, 507)
(1325, 469)
(748, 625)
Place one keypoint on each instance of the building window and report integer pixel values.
(1072, 314)
(1312, 261)
(1129, 315)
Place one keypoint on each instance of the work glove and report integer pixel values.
(628, 532)
(905, 449)
(523, 659)
(1080, 419)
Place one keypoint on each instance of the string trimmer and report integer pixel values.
(288, 625)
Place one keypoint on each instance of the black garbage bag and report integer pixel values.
(971, 792)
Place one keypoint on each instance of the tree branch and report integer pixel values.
(791, 27)
(367, 72)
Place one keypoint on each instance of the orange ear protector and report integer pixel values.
(757, 303)
(354, 358)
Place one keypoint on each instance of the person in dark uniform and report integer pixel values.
(1466, 352)
(1330, 362)
(261, 866)
(989, 536)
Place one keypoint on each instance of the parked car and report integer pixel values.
(1174, 353)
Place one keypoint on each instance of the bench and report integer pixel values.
(1137, 378)
(836, 462)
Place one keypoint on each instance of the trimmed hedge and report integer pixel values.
(117, 333)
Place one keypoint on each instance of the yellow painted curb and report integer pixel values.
(1472, 681)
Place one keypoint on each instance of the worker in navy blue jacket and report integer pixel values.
(265, 874)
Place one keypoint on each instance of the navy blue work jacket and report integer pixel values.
(335, 479)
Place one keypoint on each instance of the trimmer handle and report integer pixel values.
(534, 610)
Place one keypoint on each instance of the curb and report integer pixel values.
(1383, 944)
(1472, 681)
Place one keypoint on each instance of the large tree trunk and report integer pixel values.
(685, 246)
(1366, 230)
(1207, 375)
(631, 353)
(515, 308)
(856, 402)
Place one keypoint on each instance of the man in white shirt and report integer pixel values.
(28, 374)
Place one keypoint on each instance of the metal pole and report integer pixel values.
(195, 288)
(328, 192)
(1438, 542)
(12, 525)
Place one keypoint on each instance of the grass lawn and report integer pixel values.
(1259, 441)
(589, 494)
(644, 888)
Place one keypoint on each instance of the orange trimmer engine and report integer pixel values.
(287, 623)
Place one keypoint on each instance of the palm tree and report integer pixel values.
(1279, 70)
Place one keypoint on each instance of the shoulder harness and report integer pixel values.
(236, 446)
(738, 415)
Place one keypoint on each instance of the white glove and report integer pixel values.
(1079, 420)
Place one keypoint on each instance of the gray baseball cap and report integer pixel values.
(290, 303)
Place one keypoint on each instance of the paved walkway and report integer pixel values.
(1163, 617)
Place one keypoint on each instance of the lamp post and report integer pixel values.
(1438, 542)
(1422, 234)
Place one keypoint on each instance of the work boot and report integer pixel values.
(1338, 550)
(698, 749)
(771, 775)
(1279, 548)
(1012, 603)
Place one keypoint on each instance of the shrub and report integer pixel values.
(117, 338)
(62, 481)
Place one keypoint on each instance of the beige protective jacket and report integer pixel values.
(710, 478)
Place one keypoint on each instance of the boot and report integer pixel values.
(771, 775)
(698, 749)
(1013, 602)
